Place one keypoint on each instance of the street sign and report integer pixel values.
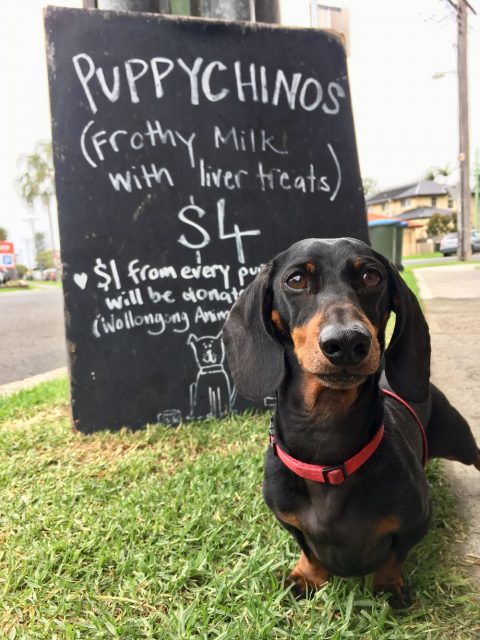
(7, 255)
(187, 153)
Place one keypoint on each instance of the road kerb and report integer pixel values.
(27, 383)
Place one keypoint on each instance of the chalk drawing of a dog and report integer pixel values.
(211, 394)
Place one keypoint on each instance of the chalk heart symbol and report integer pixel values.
(80, 280)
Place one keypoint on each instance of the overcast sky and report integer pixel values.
(405, 120)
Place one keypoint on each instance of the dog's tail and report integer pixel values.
(448, 433)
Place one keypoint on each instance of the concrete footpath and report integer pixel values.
(451, 298)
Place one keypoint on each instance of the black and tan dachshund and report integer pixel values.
(311, 329)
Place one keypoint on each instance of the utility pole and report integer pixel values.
(464, 220)
(477, 188)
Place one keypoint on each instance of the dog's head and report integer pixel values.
(208, 349)
(327, 302)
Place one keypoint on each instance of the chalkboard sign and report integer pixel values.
(187, 153)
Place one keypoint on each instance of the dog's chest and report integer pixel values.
(328, 513)
(347, 513)
(348, 537)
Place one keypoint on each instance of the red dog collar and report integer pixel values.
(417, 420)
(337, 474)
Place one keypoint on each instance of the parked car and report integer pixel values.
(5, 275)
(49, 274)
(449, 243)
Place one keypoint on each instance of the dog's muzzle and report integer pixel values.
(345, 346)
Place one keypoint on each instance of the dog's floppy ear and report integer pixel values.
(255, 357)
(407, 358)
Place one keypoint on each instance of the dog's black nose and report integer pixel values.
(345, 346)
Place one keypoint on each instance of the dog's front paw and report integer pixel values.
(299, 588)
(307, 576)
(398, 595)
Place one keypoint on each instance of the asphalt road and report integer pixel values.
(32, 338)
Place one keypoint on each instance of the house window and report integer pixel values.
(386, 207)
(406, 202)
(450, 202)
(434, 201)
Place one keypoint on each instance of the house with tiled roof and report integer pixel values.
(413, 203)
(423, 193)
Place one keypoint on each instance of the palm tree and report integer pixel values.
(36, 180)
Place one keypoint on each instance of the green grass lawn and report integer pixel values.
(10, 289)
(163, 534)
(33, 285)
(421, 256)
(50, 283)
(450, 263)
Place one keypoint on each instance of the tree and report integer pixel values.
(36, 180)
(42, 256)
(22, 270)
(39, 241)
(45, 260)
(3, 234)
(434, 173)
(370, 186)
(439, 225)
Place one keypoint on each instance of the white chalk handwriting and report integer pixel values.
(135, 294)
(99, 144)
(155, 323)
(141, 80)
(205, 238)
(161, 299)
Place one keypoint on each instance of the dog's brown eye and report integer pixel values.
(297, 281)
(371, 277)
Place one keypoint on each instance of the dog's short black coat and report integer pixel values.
(311, 329)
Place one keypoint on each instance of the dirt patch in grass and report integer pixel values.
(106, 452)
(53, 415)
(47, 439)
(93, 451)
